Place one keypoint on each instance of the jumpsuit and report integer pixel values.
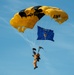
(36, 56)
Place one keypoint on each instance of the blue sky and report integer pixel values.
(16, 48)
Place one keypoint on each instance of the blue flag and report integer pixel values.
(45, 34)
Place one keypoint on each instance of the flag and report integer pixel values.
(45, 34)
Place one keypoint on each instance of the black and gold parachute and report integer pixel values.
(27, 18)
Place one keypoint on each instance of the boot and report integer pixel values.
(35, 67)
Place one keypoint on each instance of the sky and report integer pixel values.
(57, 58)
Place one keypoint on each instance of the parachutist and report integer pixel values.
(36, 59)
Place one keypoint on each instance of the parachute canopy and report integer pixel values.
(28, 17)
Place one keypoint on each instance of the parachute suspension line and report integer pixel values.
(27, 40)
(6, 22)
(5, 27)
(41, 42)
(24, 38)
(34, 40)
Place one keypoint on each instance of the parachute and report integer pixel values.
(27, 18)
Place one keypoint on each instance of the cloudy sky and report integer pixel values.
(16, 48)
